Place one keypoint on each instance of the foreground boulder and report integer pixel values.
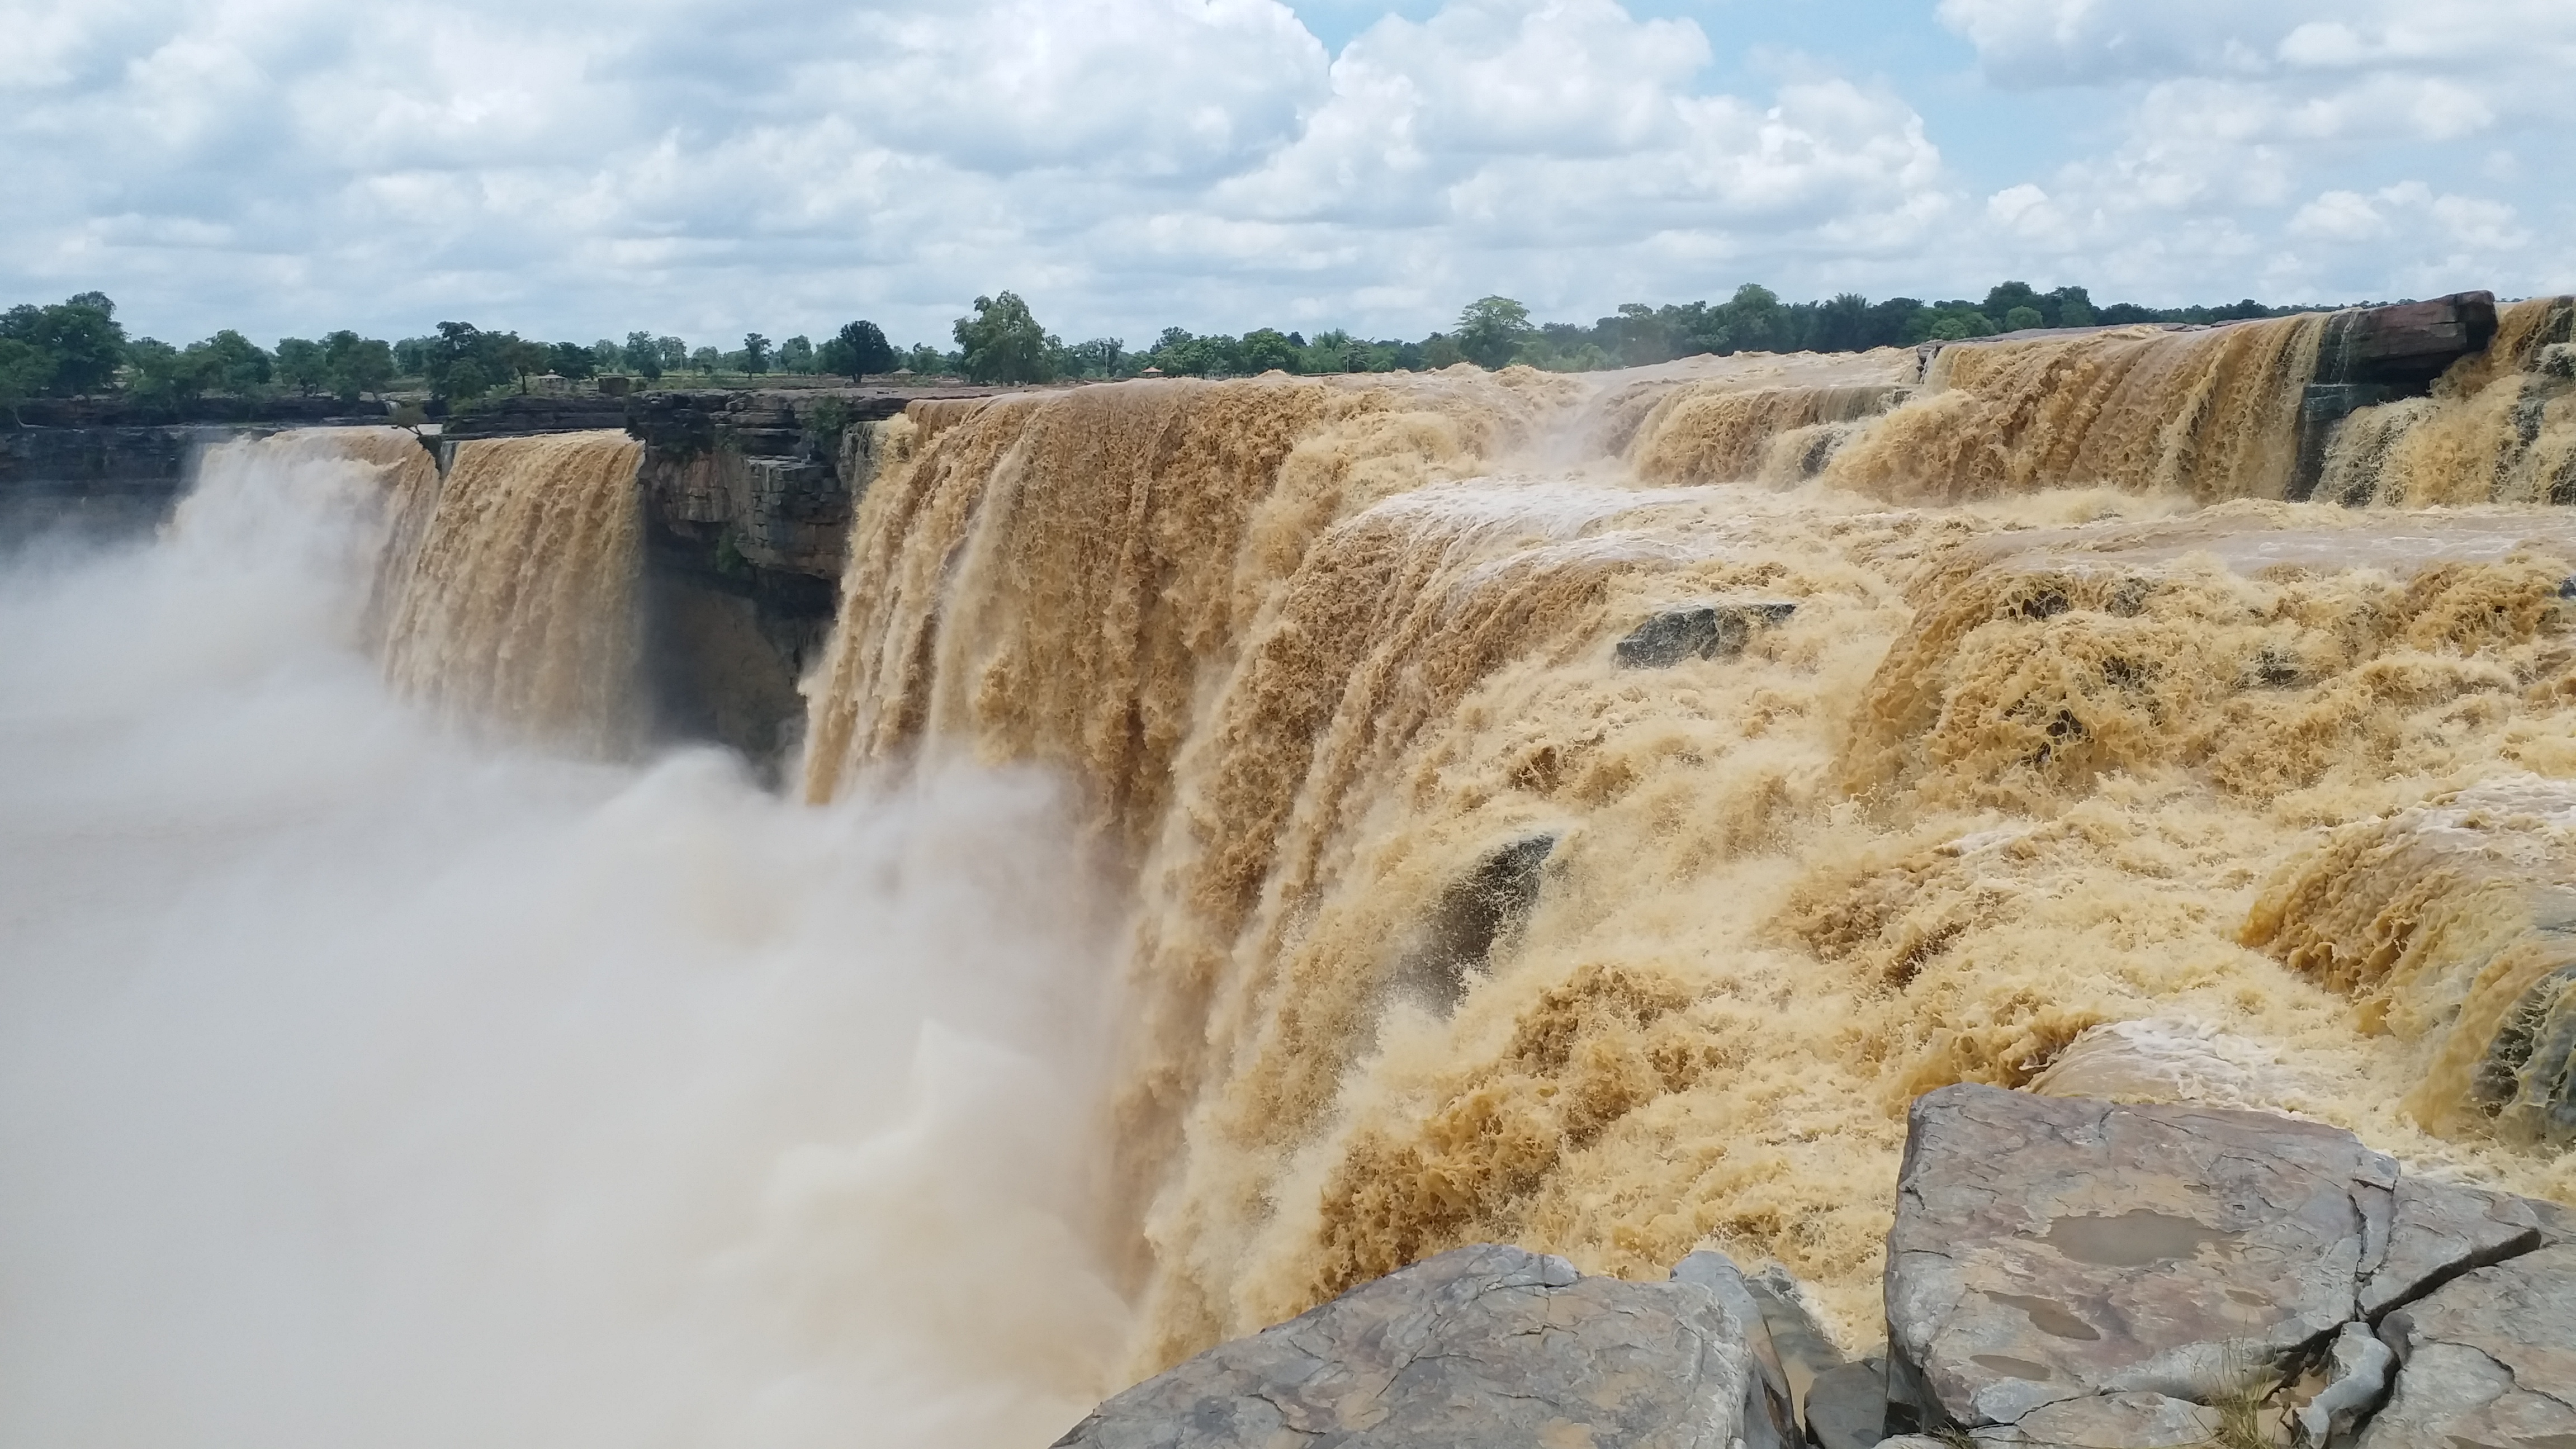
(2083, 1272)
(2487, 1360)
(1477, 1347)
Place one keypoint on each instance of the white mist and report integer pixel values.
(361, 1086)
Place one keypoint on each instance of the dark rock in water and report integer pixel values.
(2527, 1079)
(1472, 913)
(2405, 346)
(2372, 355)
(2488, 1360)
(1705, 631)
(1483, 1346)
(2049, 1250)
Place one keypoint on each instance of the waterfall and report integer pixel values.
(1453, 922)
(519, 606)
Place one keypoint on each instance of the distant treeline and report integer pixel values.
(77, 347)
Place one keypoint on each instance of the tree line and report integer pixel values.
(77, 347)
(1002, 342)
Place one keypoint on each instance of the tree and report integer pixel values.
(1099, 357)
(161, 374)
(675, 353)
(1003, 342)
(925, 360)
(24, 371)
(571, 359)
(858, 349)
(520, 357)
(644, 356)
(353, 366)
(796, 354)
(2023, 319)
(1491, 329)
(1264, 349)
(80, 339)
(606, 356)
(755, 353)
(300, 364)
(232, 363)
(706, 360)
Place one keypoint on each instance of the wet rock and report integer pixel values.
(1806, 1352)
(2356, 1378)
(1480, 1346)
(1846, 1408)
(1471, 914)
(2048, 1250)
(2488, 1360)
(1698, 631)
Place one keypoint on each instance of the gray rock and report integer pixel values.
(2488, 1360)
(2438, 1232)
(2050, 1249)
(2356, 1377)
(1703, 631)
(1480, 1346)
(1846, 1408)
(2109, 1421)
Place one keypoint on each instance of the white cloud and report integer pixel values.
(589, 166)
(2290, 130)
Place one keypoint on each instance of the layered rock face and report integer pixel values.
(747, 499)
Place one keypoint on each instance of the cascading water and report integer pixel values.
(519, 605)
(1571, 811)
(1989, 773)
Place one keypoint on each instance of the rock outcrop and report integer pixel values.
(2085, 1272)
(1716, 629)
(2487, 1360)
(1479, 1347)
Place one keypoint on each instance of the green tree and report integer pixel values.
(1491, 330)
(24, 371)
(643, 355)
(2023, 319)
(706, 360)
(300, 364)
(1099, 357)
(796, 354)
(81, 340)
(161, 374)
(1264, 349)
(230, 362)
(520, 358)
(353, 366)
(1754, 321)
(675, 353)
(858, 349)
(571, 359)
(925, 360)
(1003, 342)
(755, 353)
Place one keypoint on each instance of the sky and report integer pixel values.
(575, 169)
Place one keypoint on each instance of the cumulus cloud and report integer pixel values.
(2275, 141)
(586, 167)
